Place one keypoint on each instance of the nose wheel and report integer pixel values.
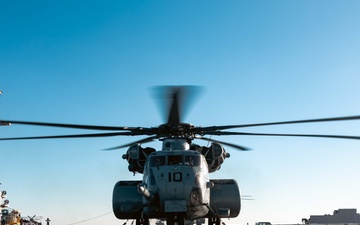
(175, 219)
(144, 221)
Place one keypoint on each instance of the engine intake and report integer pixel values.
(136, 157)
(214, 155)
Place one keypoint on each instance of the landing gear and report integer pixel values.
(214, 221)
(144, 221)
(175, 219)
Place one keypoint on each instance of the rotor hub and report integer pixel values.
(181, 130)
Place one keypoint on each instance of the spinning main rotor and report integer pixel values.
(174, 128)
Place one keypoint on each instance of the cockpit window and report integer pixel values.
(192, 160)
(175, 159)
(157, 161)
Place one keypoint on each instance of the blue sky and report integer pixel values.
(93, 62)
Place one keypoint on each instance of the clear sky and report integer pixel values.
(95, 62)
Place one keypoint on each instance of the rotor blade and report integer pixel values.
(71, 136)
(214, 128)
(76, 126)
(242, 148)
(145, 140)
(285, 135)
(175, 101)
(247, 199)
(174, 116)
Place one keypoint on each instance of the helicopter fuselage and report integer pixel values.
(176, 185)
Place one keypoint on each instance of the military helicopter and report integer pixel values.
(176, 187)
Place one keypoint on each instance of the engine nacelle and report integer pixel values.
(225, 199)
(136, 157)
(215, 156)
(126, 200)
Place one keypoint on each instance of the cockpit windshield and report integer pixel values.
(157, 161)
(175, 159)
(191, 160)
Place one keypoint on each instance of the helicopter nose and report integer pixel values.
(175, 185)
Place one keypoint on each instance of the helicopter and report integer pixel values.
(176, 186)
